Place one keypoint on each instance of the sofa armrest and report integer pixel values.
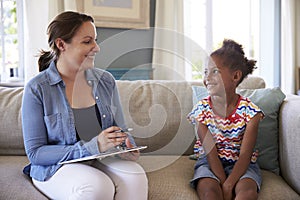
(289, 140)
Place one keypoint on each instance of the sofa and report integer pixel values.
(156, 110)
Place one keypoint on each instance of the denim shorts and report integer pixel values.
(202, 170)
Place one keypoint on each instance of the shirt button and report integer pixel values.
(96, 97)
(89, 82)
(103, 116)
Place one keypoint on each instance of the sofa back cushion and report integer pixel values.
(11, 137)
(156, 110)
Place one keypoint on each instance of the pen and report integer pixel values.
(124, 130)
(122, 146)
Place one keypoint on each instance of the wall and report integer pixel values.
(125, 48)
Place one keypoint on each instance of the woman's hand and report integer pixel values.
(133, 155)
(110, 137)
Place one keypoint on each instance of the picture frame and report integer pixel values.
(129, 14)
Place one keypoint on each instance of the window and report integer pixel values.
(208, 22)
(11, 51)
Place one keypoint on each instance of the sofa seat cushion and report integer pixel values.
(164, 180)
(274, 187)
(14, 184)
(166, 174)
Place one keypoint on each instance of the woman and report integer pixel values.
(72, 110)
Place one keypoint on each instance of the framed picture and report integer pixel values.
(117, 13)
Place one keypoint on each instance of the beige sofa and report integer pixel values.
(157, 112)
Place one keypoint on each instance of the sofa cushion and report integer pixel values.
(275, 187)
(15, 184)
(252, 82)
(269, 100)
(164, 180)
(11, 138)
(289, 140)
(156, 111)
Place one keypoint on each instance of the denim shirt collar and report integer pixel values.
(55, 78)
(53, 74)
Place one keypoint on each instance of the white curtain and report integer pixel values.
(37, 15)
(168, 48)
(289, 46)
(298, 44)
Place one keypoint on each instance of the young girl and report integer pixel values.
(227, 128)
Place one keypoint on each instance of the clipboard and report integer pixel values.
(103, 155)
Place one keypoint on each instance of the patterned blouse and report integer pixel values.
(227, 132)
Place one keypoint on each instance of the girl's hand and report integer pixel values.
(133, 155)
(227, 191)
(110, 137)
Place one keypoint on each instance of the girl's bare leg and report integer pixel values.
(209, 188)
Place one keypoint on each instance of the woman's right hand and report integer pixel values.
(110, 137)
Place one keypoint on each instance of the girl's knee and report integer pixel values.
(208, 188)
(246, 195)
(246, 189)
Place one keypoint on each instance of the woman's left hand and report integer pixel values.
(133, 155)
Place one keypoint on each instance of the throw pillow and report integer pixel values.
(269, 100)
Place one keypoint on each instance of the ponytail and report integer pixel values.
(45, 59)
(250, 66)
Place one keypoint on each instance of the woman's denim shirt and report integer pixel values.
(48, 122)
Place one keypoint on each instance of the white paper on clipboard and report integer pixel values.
(104, 155)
